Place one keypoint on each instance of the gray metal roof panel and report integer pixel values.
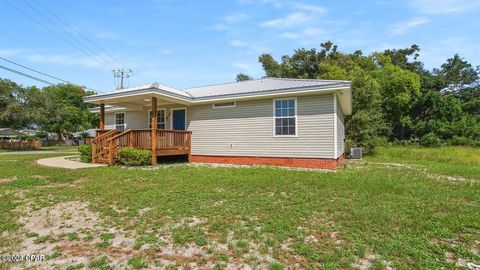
(243, 88)
(260, 85)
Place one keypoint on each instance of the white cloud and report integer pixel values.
(444, 6)
(291, 20)
(311, 8)
(70, 60)
(274, 3)
(307, 33)
(403, 27)
(235, 18)
(238, 43)
(9, 52)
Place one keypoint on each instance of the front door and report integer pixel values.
(178, 120)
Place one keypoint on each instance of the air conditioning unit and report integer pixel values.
(356, 153)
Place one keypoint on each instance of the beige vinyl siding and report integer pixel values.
(247, 129)
(138, 119)
(109, 121)
(133, 119)
(340, 130)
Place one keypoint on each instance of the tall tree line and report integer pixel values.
(395, 98)
(58, 109)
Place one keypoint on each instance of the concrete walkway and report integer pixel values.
(66, 163)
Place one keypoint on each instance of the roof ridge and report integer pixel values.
(216, 84)
(298, 79)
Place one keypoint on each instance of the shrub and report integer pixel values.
(460, 140)
(85, 152)
(130, 156)
(430, 140)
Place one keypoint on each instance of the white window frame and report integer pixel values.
(176, 109)
(227, 106)
(165, 118)
(295, 116)
(124, 120)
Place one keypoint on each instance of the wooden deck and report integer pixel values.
(160, 142)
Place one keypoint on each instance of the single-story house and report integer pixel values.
(9, 133)
(273, 121)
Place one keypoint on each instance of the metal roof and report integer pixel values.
(234, 90)
(261, 85)
(9, 132)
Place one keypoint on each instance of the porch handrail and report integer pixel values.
(165, 139)
(120, 135)
(99, 144)
(96, 139)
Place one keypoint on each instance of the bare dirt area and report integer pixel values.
(7, 180)
(70, 234)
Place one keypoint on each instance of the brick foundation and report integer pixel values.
(316, 163)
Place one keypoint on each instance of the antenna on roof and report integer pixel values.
(120, 75)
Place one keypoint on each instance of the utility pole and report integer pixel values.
(120, 75)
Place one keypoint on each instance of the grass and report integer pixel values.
(406, 207)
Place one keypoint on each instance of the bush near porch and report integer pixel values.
(85, 152)
(130, 156)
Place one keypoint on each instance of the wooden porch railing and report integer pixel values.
(101, 132)
(100, 146)
(173, 141)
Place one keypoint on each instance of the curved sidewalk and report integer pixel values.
(64, 162)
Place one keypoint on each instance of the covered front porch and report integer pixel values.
(148, 122)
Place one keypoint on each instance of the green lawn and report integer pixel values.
(406, 208)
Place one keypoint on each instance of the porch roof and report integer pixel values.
(228, 91)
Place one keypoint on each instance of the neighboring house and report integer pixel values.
(9, 133)
(275, 121)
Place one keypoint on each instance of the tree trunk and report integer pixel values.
(61, 138)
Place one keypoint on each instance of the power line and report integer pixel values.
(31, 69)
(26, 75)
(99, 60)
(37, 51)
(79, 33)
(79, 42)
(39, 72)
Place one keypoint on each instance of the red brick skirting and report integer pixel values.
(317, 163)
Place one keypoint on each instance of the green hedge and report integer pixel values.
(85, 152)
(130, 156)
(431, 140)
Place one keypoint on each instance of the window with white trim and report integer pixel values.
(120, 121)
(160, 119)
(224, 104)
(285, 116)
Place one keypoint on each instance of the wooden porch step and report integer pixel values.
(101, 160)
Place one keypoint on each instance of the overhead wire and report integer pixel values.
(39, 72)
(94, 57)
(79, 33)
(26, 75)
(37, 51)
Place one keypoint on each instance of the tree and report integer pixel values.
(394, 96)
(62, 110)
(458, 73)
(15, 104)
(400, 89)
(243, 77)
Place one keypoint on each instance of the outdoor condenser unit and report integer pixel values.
(356, 153)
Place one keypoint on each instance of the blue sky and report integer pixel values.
(191, 43)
